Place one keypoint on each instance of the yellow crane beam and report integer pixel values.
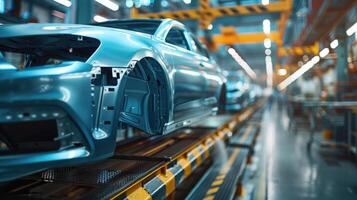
(298, 51)
(205, 13)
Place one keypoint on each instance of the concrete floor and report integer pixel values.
(292, 172)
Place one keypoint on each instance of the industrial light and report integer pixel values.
(298, 73)
(66, 3)
(267, 52)
(109, 4)
(269, 69)
(315, 60)
(267, 43)
(266, 26)
(324, 52)
(265, 2)
(352, 29)
(210, 27)
(129, 3)
(242, 63)
(187, 1)
(98, 18)
(282, 72)
(2, 6)
(334, 43)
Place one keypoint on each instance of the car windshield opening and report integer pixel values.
(33, 51)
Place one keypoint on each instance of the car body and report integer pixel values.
(238, 89)
(77, 84)
(255, 92)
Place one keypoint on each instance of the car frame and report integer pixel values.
(68, 113)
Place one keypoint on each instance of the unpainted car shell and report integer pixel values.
(66, 92)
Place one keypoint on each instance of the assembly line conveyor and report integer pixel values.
(155, 168)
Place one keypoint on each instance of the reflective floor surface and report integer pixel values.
(292, 171)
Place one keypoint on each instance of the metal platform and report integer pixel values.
(222, 181)
(150, 168)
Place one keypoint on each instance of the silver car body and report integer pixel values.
(69, 111)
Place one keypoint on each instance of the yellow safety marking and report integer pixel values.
(197, 155)
(205, 150)
(246, 132)
(186, 166)
(231, 159)
(210, 197)
(169, 180)
(217, 182)
(222, 176)
(139, 193)
(212, 190)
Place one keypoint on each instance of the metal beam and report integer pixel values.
(298, 51)
(205, 13)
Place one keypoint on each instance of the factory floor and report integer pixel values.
(292, 171)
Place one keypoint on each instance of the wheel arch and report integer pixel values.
(159, 70)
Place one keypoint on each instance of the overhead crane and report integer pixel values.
(155, 168)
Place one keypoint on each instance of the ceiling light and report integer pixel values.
(324, 52)
(267, 52)
(282, 72)
(265, 2)
(210, 27)
(315, 60)
(352, 29)
(66, 3)
(305, 58)
(267, 43)
(298, 73)
(129, 3)
(187, 1)
(269, 69)
(334, 43)
(242, 63)
(164, 3)
(98, 18)
(266, 26)
(109, 4)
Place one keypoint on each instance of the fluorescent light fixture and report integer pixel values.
(265, 2)
(210, 27)
(282, 72)
(266, 26)
(298, 73)
(267, 52)
(269, 69)
(109, 4)
(334, 44)
(66, 3)
(98, 18)
(352, 29)
(187, 1)
(267, 43)
(242, 63)
(2, 6)
(315, 60)
(324, 52)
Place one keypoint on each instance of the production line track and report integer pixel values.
(143, 169)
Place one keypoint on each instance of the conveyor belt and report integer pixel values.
(144, 169)
(222, 180)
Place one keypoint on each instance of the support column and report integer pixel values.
(341, 64)
(80, 13)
